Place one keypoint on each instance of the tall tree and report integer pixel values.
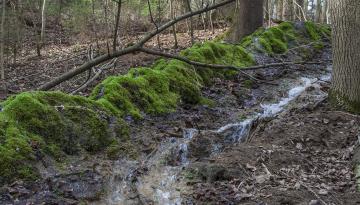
(346, 54)
(248, 18)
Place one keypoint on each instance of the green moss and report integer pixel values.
(219, 53)
(318, 46)
(278, 39)
(53, 123)
(117, 150)
(248, 84)
(208, 102)
(316, 31)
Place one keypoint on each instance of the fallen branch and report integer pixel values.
(96, 76)
(131, 49)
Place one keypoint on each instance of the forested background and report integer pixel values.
(55, 28)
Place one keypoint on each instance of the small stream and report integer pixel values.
(158, 180)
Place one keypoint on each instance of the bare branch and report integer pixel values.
(131, 49)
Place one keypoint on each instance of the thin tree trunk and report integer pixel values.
(172, 14)
(287, 10)
(318, 11)
(43, 19)
(346, 54)
(159, 22)
(306, 7)
(2, 45)
(94, 24)
(117, 21)
(211, 18)
(279, 9)
(3, 88)
(188, 9)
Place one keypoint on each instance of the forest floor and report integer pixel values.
(31, 71)
(303, 155)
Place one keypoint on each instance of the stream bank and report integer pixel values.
(173, 148)
(297, 151)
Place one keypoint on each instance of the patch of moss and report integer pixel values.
(207, 101)
(117, 150)
(312, 31)
(219, 53)
(278, 39)
(53, 123)
(318, 46)
(248, 83)
(316, 32)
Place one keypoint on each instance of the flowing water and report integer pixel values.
(161, 182)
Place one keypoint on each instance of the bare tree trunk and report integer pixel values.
(306, 7)
(346, 54)
(188, 9)
(43, 19)
(117, 21)
(172, 14)
(287, 10)
(279, 9)
(248, 18)
(159, 22)
(3, 89)
(211, 18)
(268, 12)
(328, 14)
(94, 24)
(318, 11)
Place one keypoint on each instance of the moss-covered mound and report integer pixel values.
(52, 123)
(36, 124)
(277, 40)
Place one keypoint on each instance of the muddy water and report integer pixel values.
(158, 180)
